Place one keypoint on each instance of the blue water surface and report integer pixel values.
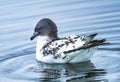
(17, 53)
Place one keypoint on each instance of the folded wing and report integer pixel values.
(70, 44)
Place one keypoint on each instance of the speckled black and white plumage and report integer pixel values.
(52, 49)
(57, 46)
(67, 45)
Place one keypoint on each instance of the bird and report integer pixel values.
(71, 49)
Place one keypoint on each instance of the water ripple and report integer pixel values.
(81, 17)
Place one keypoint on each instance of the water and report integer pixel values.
(81, 17)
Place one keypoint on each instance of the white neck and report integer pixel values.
(41, 41)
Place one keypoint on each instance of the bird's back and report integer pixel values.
(66, 44)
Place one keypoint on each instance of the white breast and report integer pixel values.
(41, 41)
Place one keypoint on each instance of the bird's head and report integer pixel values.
(45, 27)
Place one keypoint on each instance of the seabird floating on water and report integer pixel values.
(72, 49)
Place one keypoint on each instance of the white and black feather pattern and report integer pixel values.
(52, 49)
(64, 45)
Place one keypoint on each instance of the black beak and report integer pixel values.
(34, 35)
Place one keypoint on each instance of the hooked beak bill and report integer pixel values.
(34, 35)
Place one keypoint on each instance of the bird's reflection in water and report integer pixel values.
(79, 72)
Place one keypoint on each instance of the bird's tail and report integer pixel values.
(98, 42)
(90, 38)
(95, 43)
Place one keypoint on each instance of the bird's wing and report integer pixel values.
(66, 44)
(89, 45)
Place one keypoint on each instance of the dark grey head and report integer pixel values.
(45, 27)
